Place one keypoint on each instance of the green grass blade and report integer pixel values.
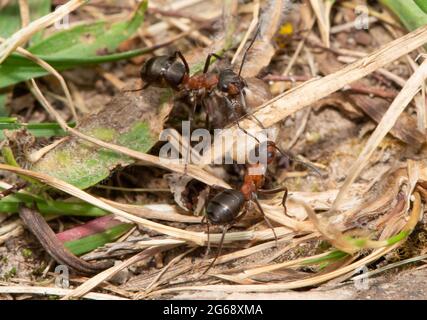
(16, 68)
(422, 4)
(37, 129)
(409, 13)
(87, 244)
(93, 39)
(82, 45)
(10, 204)
(334, 255)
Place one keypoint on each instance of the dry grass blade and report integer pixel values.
(198, 238)
(411, 88)
(275, 287)
(269, 268)
(251, 28)
(51, 70)
(105, 275)
(22, 36)
(49, 291)
(310, 92)
(174, 261)
(389, 266)
(24, 11)
(164, 212)
(322, 9)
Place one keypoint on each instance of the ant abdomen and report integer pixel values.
(163, 71)
(225, 206)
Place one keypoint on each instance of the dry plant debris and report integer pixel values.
(345, 96)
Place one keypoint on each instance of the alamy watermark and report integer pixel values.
(362, 282)
(63, 23)
(62, 279)
(362, 18)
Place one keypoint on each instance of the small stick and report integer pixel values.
(47, 238)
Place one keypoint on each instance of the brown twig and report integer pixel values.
(47, 238)
(355, 87)
(180, 14)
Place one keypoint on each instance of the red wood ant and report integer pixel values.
(230, 205)
(173, 71)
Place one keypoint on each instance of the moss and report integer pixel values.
(26, 253)
(10, 274)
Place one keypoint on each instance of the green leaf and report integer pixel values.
(129, 120)
(10, 17)
(82, 45)
(3, 110)
(409, 13)
(422, 4)
(87, 244)
(94, 39)
(16, 68)
(10, 22)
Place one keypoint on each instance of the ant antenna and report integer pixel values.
(293, 158)
(250, 45)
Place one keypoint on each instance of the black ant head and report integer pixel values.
(270, 148)
(230, 82)
(163, 71)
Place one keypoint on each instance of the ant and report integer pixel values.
(173, 71)
(231, 205)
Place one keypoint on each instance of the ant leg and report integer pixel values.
(221, 242)
(208, 247)
(277, 190)
(188, 151)
(207, 110)
(180, 55)
(285, 197)
(246, 110)
(13, 189)
(255, 199)
(236, 118)
(272, 191)
(293, 158)
(208, 61)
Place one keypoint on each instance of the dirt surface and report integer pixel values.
(407, 285)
